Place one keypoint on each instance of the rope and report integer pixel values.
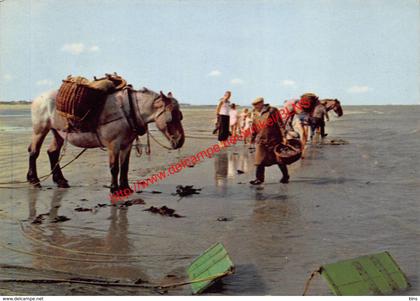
(22, 230)
(200, 137)
(137, 146)
(107, 283)
(4, 245)
(308, 282)
(45, 177)
(154, 139)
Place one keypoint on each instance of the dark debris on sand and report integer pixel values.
(186, 190)
(164, 211)
(81, 209)
(38, 220)
(124, 204)
(131, 203)
(224, 219)
(58, 219)
(336, 142)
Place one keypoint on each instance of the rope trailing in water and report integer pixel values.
(45, 177)
(6, 246)
(308, 282)
(21, 228)
(107, 283)
(200, 137)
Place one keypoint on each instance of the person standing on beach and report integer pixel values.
(222, 112)
(242, 118)
(304, 108)
(268, 132)
(246, 123)
(233, 120)
(317, 120)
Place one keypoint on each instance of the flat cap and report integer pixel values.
(258, 100)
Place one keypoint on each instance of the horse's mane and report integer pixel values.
(145, 90)
(325, 101)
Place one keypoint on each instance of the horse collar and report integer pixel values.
(138, 125)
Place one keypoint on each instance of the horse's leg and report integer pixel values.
(113, 154)
(54, 154)
(34, 148)
(124, 162)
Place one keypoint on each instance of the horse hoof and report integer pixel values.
(126, 190)
(63, 184)
(284, 180)
(35, 182)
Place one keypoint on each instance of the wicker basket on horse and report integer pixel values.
(308, 101)
(76, 99)
(290, 153)
(80, 101)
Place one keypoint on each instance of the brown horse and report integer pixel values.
(125, 115)
(330, 104)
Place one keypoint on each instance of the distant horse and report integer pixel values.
(292, 109)
(125, 115)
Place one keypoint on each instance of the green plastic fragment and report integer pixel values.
(209, 267)
(377, 274)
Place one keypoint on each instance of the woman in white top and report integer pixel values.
(233, 121)
(222, 112)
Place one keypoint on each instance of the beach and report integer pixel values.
(343, 201)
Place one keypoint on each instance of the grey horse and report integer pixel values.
(125, 115)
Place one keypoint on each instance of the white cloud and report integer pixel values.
(78, 48)
(214, 73)
(44, 82)
(7, 77)
(74, 48)
(288, 83)
(93, 48)
(236, 81)
(359, 89)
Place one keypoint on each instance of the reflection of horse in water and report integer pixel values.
(115, 241)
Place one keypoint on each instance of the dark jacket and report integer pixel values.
(268, 131)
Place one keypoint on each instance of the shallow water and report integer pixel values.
(343, 201)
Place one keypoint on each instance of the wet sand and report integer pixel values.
(343, 201)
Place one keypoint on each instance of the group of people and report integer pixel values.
(229, 122)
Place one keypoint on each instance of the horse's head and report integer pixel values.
(333, 104)
(168, 117)
(164, 112)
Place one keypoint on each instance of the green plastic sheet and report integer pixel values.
(210, 266)
(377, 274)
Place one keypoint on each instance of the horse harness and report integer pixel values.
(133, 116)
(137, 124)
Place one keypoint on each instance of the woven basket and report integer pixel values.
(290, 153)
(75, 99)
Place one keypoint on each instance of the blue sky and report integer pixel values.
(362, 52)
